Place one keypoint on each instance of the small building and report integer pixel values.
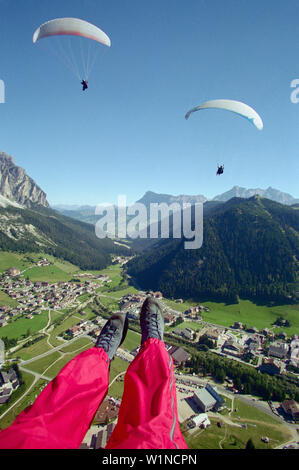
(13, 271)
(158, 295)
(201, 420)
(179, 355)
(75, 331)
(252, 329)
(107, 410)
(204, 400)
(213, 391)
(193, 312)
(238, 325)
(110, 429)
(169, 318)
(99, 441)
(271, 366)
(294, 357)
(290, 407)
(283, 335)
(214, 334)
(232, 347)
(279, 350)
(188, 333)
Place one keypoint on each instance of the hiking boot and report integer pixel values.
(113, 334)
(151, 320)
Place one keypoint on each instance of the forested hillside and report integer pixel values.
(250, 250)
(43, 229)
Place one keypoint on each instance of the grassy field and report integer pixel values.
(65, 325)
(132, 341)
(180, 307)
(194, 326)
(115, 273)
(41, 365)
(229, 436)
(76, 345)
(109, 302)
(16, 260)
(53, 370)
(7, 300)
(54, 362)
(242, 411)
(36, 349)
(117, 366)
(250, 314)
(27, 260)
(246, 312)
(20, 326)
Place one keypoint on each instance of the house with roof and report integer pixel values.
(193, 312)
(13, 271)
(169, 318)
(238, 325)
(294, 353)
(158, 295)
(271, 366)
(204, 400)
(279, 350)
(232, 347)
(179, 355)
(214, 334)
(8, 383)
(186, 333)
(107, 410)
(252, 329)
(201, 420)
(100, 440)
(74, 331)
(290, 407)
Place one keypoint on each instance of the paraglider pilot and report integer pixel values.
(148, 416)
(84, 84)
(220, 170)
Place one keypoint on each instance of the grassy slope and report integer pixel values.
(259, 424)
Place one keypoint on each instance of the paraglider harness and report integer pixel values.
(84, 84)
(220, 170)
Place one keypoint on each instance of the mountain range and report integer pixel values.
(250, 244)
(86, 213)
(28, 224)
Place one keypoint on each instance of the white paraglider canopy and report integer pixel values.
(73, 27)
(77, 31)
(230, 105)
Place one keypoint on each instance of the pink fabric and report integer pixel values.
(63, 412)
(148, 416)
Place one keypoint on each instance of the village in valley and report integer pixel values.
(82, 305)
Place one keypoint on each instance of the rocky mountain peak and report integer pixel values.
(17, 186)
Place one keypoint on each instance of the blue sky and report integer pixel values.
(127, 133)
